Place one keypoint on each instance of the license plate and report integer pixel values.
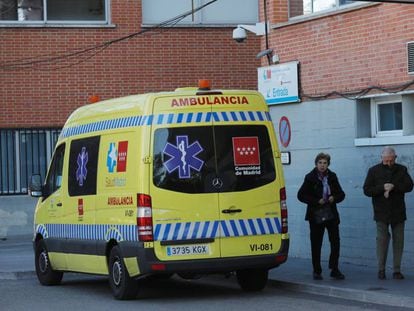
(184, 250)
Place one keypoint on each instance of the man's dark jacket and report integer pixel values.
(389, 210)
(311, 192)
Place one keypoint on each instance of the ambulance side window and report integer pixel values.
(54, 178)
(83, 166)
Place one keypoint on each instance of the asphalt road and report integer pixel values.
(83, 292)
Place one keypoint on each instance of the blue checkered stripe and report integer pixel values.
(88, 232)
(218, 228)
(166, 119)
(163, 232)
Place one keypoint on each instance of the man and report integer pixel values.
(387, 184)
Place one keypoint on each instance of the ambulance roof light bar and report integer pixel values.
(204, 85)
(94, 99)
(204, 88)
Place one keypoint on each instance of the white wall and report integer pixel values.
(330, 126)
(16, 215)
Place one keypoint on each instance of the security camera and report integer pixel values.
(239, 34)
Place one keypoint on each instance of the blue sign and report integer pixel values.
(284, 131)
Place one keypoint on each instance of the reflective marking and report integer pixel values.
(168, 231)
(195, 232)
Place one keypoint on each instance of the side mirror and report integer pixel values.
(35, 186)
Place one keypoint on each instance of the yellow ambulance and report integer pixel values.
(187, 182)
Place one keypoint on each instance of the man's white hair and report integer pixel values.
(388, 151)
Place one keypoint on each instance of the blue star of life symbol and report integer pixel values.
(183, 157)
(111, 158)
(81, 171)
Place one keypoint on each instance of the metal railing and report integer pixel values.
(24, 152)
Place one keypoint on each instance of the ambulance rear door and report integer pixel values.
(184, 203)
(249, 192)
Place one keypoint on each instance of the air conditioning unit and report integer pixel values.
(410, 57)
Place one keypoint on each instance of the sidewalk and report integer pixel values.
(361, 283)
(16, 258)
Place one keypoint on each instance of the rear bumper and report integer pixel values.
(149, 264)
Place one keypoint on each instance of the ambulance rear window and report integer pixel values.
(212, 159)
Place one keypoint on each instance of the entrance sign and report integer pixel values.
(279, 83)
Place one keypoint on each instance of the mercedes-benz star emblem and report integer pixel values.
(217, 183)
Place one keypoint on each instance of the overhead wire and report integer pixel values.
(54, 61)
(352, 95)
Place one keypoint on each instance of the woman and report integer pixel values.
(321, 191)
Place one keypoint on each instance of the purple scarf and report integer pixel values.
(326, 189)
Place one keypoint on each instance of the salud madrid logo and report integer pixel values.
(117, 157)
(267, 74)
(183, 157)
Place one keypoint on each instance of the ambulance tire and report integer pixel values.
(252, 280)
(122, 285)
(45, 273)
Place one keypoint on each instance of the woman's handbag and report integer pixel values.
(323, 214)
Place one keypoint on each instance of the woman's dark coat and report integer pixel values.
(311, 192)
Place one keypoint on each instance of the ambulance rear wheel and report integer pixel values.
(252, 279)
(44, 271)
(122, 285)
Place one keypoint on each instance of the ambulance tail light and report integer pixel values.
(283, 210)
(144, 217)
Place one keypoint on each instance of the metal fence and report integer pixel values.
(24, 152)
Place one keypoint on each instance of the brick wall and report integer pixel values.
(349, 51)
(277, 10)
(160, 60)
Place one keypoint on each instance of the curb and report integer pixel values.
(379, 298)
(17, 275)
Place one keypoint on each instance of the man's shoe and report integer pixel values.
(317, 276)
(337, 275)
(381, 274)
(398, 276)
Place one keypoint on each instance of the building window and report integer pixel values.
(388, 118)
(53, 11)
(218, 13)
(385, 120)
(24, 152)
(306, 7)
(54, 178)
